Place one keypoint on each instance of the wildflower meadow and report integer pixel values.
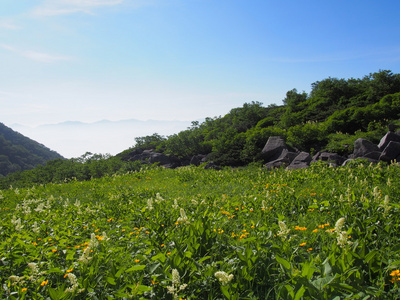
(191, 233)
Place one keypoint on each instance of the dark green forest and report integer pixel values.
(330, 118)
(18, 153)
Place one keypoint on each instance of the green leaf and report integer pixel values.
(160, 256)
(249, 239)
(300, 293)
(153, 267)
(225, 291)
(111, 280)
(57, 294)
(136, 268)
(144, 288)
(371, 255)
(120, 271)
(54, 270)
(327, 268)
(290, 290)
(283, 262)
(203, 259)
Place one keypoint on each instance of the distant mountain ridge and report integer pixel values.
(18, 152)
(75, 138)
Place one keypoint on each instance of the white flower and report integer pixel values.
(93, 241)
(176, 286)
(175, 205)
(85, 256)
(339, 224)
(183, 217)
(176, 279)
(386, 205)
(343, 239)
(35, 228)
(74, 284)
(223, 277)
(263, 205)
(150, 204)
(105, 237)
(159, 198)
(284, 231)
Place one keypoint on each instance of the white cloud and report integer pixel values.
(36, 56)
(8, 25)
(62, 7)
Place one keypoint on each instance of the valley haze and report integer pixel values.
(73, 138)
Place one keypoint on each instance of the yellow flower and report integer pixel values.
(300, 228)
(395, 273)
(136, 260)
(44, 282)
(24, 290)
(315, 230)
(53, 250)
(302, 244)
(309, 249)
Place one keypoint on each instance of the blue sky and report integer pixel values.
(88, 60)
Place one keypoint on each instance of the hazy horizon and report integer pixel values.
(74, 139)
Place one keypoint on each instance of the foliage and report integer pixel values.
(61, 170)
(335, 111)
(190, 233)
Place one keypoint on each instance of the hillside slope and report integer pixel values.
(330, 118)
(18, 152)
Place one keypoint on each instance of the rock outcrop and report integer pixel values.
(276, 153)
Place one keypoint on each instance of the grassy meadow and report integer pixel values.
(190, 233)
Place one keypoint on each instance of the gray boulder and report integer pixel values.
(164, 160)
(362, 147)
(329, 157)
(301, 161)
(391, 152)
(198, 159)
(212, 165)
(274, 149)
(389, 137)
(277, 163)
(375, 155)
(139, 154)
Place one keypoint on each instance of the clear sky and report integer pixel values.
(88, 60)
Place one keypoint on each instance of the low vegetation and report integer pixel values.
(190, 233)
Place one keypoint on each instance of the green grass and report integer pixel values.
(164, 234)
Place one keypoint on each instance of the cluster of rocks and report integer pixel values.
(277, 154)
(167, 161)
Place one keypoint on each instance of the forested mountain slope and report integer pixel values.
(331, 117)
(18, 152)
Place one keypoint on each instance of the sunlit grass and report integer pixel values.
(245, 233)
